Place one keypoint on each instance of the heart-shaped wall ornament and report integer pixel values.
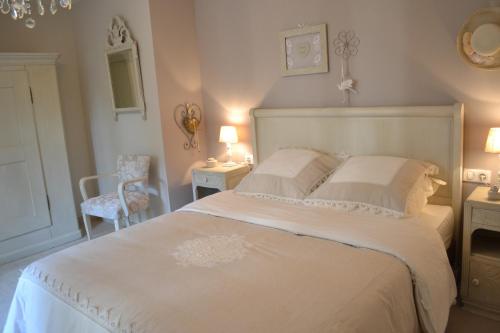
(303, 49)
(479, 40)
(188, 118)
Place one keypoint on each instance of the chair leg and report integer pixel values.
(87, 224)
(127, 221)
(117, 224)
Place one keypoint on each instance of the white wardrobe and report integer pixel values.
(36, 200)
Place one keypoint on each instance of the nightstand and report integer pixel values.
(208, 181)
(480, 286)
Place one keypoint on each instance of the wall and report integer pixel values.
(55, 34)
(407, 56)
(130, 134)
(178, 74)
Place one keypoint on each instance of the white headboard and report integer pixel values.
(429, 133)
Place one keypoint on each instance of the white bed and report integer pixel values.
(230, 263)
(441, 219)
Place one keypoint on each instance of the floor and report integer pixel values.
(460, 321)
(10, 272)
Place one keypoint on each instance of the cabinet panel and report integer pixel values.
(485, 216)
(484, 282)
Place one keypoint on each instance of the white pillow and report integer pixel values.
(392, 186)
(288, 174)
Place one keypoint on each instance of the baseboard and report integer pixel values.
(482, 310)
(40, 247)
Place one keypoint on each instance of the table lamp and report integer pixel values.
(228, 136)
(493, 146)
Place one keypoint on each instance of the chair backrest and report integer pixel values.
(133, 166)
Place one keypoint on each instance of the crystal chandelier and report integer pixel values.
(19, 9)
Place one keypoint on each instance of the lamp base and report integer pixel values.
(229, 164)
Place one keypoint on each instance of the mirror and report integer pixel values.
(123, 70)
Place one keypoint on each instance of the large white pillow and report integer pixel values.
(392, 186)
(288, 174)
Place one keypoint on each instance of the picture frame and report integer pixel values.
(304, 50)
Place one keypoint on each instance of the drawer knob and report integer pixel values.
(475, 282)
(206, 179)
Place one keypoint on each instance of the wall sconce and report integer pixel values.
(188, 119)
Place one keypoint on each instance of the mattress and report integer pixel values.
(441, 219)
(228, 263)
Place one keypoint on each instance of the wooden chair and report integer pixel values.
(131, 197)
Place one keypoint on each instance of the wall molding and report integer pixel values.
(11, 58)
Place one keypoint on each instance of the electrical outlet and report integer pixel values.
(477, 176)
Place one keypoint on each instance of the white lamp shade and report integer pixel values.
(493, 141)
(228, 134)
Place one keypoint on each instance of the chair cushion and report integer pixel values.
(108, 205)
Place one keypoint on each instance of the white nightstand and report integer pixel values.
(480, 286)
(207, 181)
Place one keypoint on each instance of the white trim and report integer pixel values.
(40, 247)
(21, 59)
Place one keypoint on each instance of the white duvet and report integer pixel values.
(202, 270)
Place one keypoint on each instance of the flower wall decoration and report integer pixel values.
(346, 46)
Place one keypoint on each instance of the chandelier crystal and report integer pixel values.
(23, 9)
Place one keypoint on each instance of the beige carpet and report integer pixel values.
(461, 321)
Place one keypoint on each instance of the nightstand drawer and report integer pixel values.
(484, 282)
(484, 216)
(203, 179)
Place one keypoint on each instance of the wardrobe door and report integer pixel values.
(23, 198)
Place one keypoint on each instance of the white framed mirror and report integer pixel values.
(124, 71)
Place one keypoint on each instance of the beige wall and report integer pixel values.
(407, 56)
(178, 74)
(55, 34)
(130, 134)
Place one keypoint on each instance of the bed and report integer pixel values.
(230, 263)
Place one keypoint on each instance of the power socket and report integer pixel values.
(477, 176)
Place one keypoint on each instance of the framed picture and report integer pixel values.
(304, 50)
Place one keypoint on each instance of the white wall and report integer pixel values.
(179, 81)
(55, 34)
(407, 56)
(130, 134)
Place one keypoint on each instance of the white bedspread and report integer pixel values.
(199, 270)
(419, 246)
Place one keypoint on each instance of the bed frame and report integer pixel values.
(429, 133)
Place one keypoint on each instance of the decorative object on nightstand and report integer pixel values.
(493, 146)
(480, 286)
(208, 181)
(211, 162)
(228, 136)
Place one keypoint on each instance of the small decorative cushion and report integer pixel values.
(288, 174)
(392, 186)
(108, 205)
